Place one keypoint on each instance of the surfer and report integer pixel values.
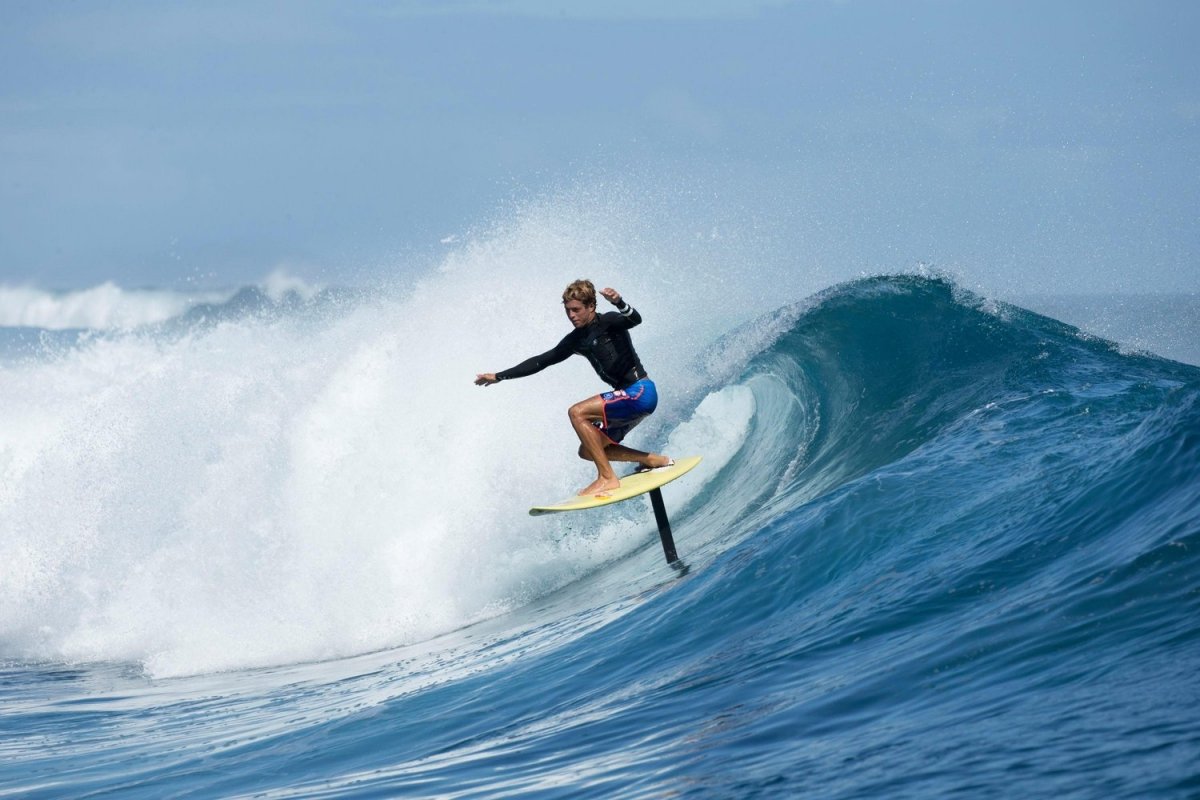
(603, 420)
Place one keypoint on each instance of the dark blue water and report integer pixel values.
(956, 551)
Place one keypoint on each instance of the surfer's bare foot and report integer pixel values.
(654, 461)
(600, 486)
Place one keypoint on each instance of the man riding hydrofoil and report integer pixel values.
(603, 420)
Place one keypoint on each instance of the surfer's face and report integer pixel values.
(578, 313)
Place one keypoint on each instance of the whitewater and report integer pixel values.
(272, 542)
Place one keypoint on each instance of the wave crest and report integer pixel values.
(108, 306)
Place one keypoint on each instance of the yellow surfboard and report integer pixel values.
(631, 486)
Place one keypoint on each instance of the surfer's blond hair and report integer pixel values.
(581, 290)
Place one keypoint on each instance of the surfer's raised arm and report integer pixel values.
(632, 317)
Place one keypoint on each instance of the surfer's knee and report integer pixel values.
(578, 412)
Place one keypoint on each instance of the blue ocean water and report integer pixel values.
(939, 546)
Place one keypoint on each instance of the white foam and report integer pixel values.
(108, 306)
(103, 307)
(717, 430)
(281, 282)
(264, 491)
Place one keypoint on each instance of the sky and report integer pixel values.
(1040, 146)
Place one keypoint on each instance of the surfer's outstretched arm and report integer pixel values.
(561, 352)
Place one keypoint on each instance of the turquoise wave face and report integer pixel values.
(892, 363)
(953, 549)
(999, 569)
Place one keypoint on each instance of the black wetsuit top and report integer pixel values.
(604, 342)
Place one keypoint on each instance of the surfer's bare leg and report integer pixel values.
(619, 452)
(593, 443)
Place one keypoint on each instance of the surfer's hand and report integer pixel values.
(486, 379)
(612, 296)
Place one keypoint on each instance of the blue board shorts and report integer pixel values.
(625, 408)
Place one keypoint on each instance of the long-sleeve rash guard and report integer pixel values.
(605, 342)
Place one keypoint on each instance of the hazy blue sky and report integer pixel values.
(158, 143)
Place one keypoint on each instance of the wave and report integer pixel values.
(930, 529)
(107, 306)
(271, 489)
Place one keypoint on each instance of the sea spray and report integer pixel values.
(263, 488)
